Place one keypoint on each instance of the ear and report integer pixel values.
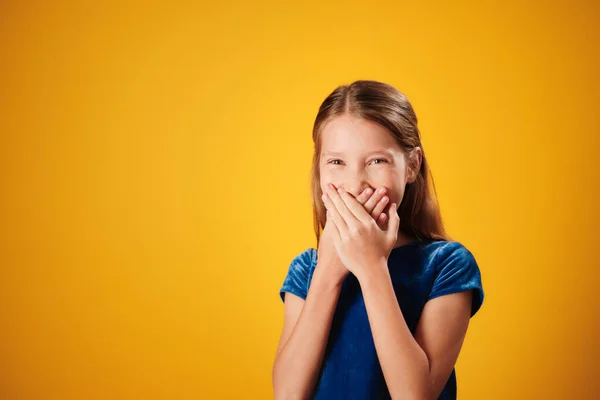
(415, 158)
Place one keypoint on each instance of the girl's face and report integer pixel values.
(357, 154)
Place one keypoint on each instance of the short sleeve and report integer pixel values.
(457, 271)
(297, 278)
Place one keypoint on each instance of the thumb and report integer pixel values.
(394, 222)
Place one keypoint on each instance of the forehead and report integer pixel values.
(347, 133)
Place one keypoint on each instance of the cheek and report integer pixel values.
(398, 194)
(395, 190)
(322, 184)
(326, 177)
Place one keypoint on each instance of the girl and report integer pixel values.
(381, 309)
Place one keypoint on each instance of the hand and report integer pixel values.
(360, 243)
(373, 204)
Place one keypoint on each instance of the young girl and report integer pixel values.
(381, 309)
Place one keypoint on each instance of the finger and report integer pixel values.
(337, 219)
(381, 220)
(375, 204)
(355, 208)
(374, 201)
(334, 228)
(369, 199)
(342, 207)
(336, 236)
(394, 221)
(364, 196)
(380, 206)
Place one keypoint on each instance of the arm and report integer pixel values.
(304, 337)
(415, 367)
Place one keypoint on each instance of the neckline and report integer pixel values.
(411, 244)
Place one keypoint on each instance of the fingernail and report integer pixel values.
(340, 190)
(368, 192)
(382, 190)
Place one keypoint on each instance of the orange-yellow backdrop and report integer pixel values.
(154, 162)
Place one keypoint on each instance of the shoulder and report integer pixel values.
(446, 252)
(434, 255)
(299, 274)
(455, 269)
(304, 261)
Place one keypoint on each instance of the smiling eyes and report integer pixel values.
(377, 159)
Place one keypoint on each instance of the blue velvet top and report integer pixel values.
(420, 271)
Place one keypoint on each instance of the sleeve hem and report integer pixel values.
(291, 290)
(477, 300)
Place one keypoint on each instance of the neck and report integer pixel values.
(403, 239)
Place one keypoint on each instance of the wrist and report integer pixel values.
(328, 277)
(373, 274)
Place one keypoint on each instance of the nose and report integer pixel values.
(355, 184)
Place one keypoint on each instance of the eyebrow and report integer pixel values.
(337, 153)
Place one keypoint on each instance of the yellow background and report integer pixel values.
(154, 164)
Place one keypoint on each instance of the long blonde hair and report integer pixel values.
(379, 102)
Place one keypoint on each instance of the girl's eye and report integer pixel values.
(380, 159)
(334, 162)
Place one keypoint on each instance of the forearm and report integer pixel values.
(404, 363)
(298, 363)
